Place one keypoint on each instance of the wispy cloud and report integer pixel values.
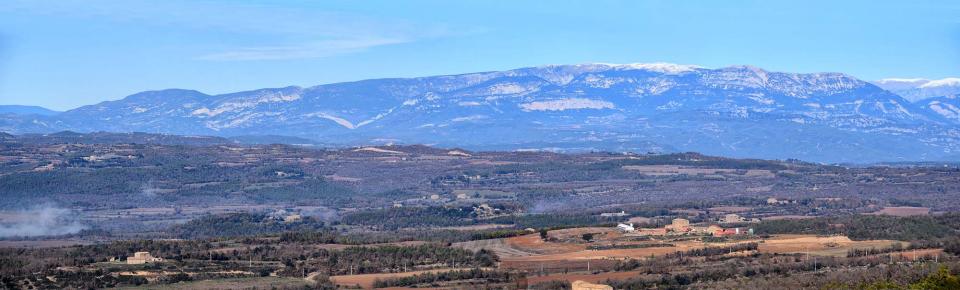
(312, 50)
(264, 31)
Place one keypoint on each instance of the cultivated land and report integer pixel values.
(229, 283)
(229, 216)
(367, 280)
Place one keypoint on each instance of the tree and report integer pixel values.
(587, 237)
(942, 279)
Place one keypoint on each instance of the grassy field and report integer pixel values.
(366, 280)
(228, 284)
(903, 211)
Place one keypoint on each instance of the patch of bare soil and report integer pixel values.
(903, 211)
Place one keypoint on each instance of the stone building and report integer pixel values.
(142, 258)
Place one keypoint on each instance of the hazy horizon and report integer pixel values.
(65, 54)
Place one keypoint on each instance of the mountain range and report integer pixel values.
(26, 110)
(739, 111)
(920, 89)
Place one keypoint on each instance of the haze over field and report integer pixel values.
(39, 221)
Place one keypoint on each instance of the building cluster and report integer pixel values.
(779, 201)
(680, 226)
(732, 218)
(142, 258)
(485, 210)
(287, 216)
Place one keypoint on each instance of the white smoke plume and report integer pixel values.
(39, 221)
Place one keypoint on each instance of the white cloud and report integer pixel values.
(250, 31)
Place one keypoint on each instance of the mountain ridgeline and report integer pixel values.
(737, 111)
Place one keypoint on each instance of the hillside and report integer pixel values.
(737, 111)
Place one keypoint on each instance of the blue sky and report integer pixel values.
(64, 54)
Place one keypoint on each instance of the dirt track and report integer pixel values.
(498, 246)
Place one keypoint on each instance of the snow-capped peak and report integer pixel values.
(915, 89)
(947, 82)
(901, 80)
(660, 67)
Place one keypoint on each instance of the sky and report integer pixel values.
(68, 53)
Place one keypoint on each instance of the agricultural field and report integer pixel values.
(232, 216)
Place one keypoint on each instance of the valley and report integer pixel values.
(218, 212)
(453, 145)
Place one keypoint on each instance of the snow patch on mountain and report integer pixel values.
(660, 67)
(671, 105)
(946, 110)
(917, 89)
(343, 122)
(377, 150)
(469, 118)
(585, 106)
(597, 81)
(566, 104)
(759, 98)
(951, 82)
(375, 118)
(245, 104)
(507, 89)
(237, 120)
(901, 80)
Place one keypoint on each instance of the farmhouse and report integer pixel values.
(708, 230)
(713, 229)
(679, 225)
(142, 258)
(732, 218)
(485, 210)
